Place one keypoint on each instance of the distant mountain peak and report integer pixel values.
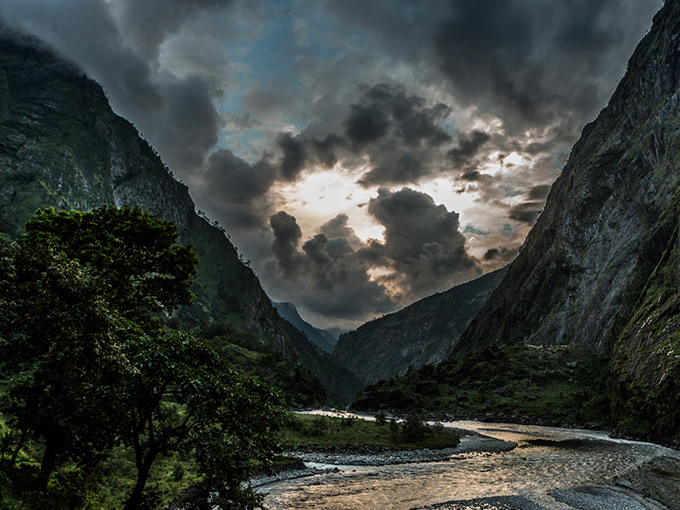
(323, 339)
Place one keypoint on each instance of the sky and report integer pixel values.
(361, 154)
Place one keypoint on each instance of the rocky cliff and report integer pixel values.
(62, 146)
(601, 266)
(419, 334)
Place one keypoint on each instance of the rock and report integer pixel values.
(504, 390)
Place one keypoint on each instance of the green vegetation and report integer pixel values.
(550, 384)
(299, 386)
(92, 379)
(645, 383)
(304, 431)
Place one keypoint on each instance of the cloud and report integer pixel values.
(535, 63)
(539, 192)
(526, 212)
(287, 236)
(244, 100)
(503, 255)
(366, 124)
(234, 190)
(293, 156)
(422, 252)
(147, 23)
(327, 276)
(423, 245)
(468, 147)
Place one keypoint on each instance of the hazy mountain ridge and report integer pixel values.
(601, 265)
(319, 337)
(62, 146)
(419, 334)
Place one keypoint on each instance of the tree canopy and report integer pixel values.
(88, 366)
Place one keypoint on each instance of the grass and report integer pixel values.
(330, 433)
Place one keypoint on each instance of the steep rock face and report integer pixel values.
(319, 337)
(604, 227)
(419, 334)
(62, 146)
(601, 265)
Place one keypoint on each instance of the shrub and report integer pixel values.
(414, 428)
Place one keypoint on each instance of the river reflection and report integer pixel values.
(544, 460)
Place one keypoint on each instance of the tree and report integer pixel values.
(182, 397)
(89, 365)
(56, 353)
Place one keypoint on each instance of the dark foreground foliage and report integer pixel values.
(90, 375)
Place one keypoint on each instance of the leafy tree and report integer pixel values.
(182, 397)
(135, 253)
(56, 352)
(89, 366)
(414, 428)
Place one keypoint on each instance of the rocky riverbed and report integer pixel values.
(496, 467)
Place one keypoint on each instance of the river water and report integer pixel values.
(545, 459)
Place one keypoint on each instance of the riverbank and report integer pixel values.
(367, 456)
(470, 443)
(495, 466)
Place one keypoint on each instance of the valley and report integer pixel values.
(560, 372)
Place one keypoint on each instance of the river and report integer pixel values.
(544, 460)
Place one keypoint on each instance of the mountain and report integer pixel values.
(62, 146)
(419, 334)
(601, 267)
(319, 337)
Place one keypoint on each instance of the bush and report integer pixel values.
(318, 426)
(394, 430)
(414, 428)
(380, 418)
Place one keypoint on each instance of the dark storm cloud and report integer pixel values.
(399, 132)
(327, 275)
(526, 212)
(148, 22)
(503, 255)
(422, 240)
(300, 152)
(293, 156)
(468, 147)
(187, 127)
(234, 189)
(423, 251)
(366, 124)
(395, 166)
(539, 192)
(388, 107)
(287, 235)
(338, 228)
(538, 60)
(471, 176)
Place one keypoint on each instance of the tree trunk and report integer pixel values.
(143, 470)
(53, 442)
